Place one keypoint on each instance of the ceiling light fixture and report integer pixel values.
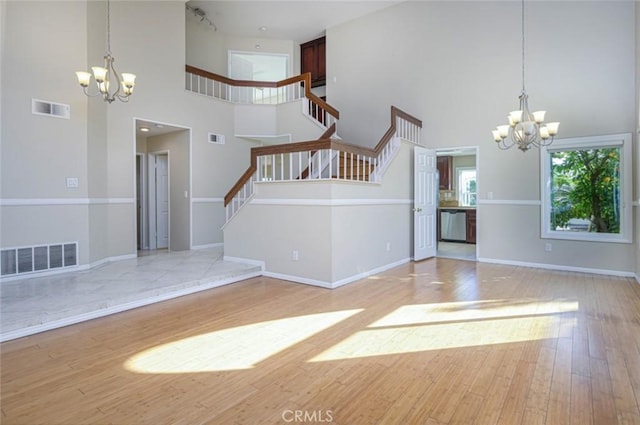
(525, 129)
(144, 129)
(105, 75)
(202, 15)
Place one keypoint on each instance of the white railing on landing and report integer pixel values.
(324, 159)
(262, 93)
(243, 95)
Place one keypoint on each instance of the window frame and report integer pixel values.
(623, 141)
(459, 171)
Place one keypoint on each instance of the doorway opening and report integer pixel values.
(162, 186)
(457, 203)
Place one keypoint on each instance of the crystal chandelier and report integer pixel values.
(525, 129)
(110, 84)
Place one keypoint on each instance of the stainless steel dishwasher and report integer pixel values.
(453, 225)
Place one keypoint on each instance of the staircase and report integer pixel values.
(321, 159)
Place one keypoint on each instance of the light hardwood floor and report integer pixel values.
(436, 342)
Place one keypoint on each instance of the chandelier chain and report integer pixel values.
(523, 46)
(108, 27)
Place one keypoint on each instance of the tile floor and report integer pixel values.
(461, 251)
(36, 304)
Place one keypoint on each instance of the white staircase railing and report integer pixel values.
(261, 93)
(229, 91)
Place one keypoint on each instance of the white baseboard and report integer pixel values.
(558, 267)
(246, 261)
(111, 260)
(208, 246)
(338, 283)
(31, 330)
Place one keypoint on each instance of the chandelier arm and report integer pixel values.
(116, 76)
(86, 92)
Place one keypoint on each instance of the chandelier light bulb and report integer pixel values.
(553, 128)
(515, 117)
(544, 133)
(84, 78)
(538, 116)
(128, 79)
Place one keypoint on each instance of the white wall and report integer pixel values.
(457, 66)
(38, 153)
(208, 50)
(339, 229)
(44, 43)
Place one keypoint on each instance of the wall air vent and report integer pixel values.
(50, 109)
(31, 259)
(218, 139)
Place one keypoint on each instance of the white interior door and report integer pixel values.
(425, 204)
(162, 201)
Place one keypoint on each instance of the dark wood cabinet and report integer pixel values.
(313, 60)
(471, 226)
(445, 171)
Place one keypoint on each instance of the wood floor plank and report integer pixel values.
(581, 400)
(435, 342)
(560, 393)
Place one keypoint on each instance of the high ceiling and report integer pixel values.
(298, 20)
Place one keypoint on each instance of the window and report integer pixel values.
(256, 67)
(586, 189)
(466, 186)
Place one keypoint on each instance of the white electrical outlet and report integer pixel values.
(295, 255)
(548, 247)
(388, 246)
(72, 182)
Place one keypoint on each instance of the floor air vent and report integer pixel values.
(15, 261)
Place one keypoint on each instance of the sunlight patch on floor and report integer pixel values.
(416, 328)
(235, 348)
(465, 310)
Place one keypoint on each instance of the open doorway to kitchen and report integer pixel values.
(457, 203)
